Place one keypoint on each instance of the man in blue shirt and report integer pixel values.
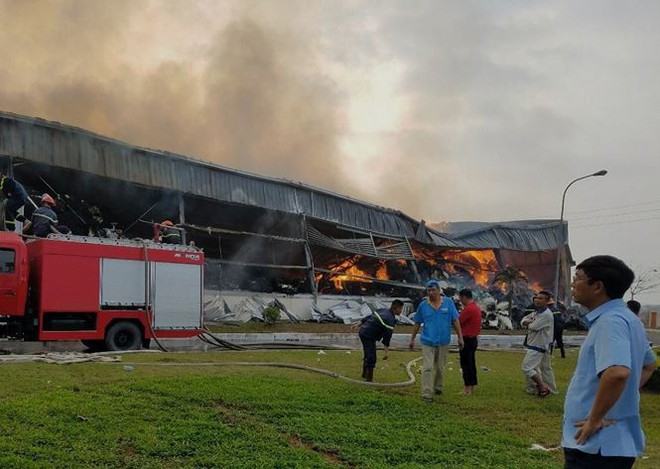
(438, 314)
(602, 426)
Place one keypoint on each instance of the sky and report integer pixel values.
(446, 110)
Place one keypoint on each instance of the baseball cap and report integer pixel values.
(432, 284)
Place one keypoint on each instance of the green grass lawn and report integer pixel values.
(100, 415)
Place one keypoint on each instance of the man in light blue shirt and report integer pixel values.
(438, 314)
(602, 426)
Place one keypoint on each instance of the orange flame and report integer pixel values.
(351, 273)
(480, 264)
(345, 270)
(381, 271)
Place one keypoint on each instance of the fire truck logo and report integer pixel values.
(190, 257)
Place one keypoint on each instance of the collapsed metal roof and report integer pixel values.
(62, 146)
(534, 235)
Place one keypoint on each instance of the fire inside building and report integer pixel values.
(269, 239)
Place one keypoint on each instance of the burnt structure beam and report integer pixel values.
(309, 259)
(333, 273)
(255, 264)
(182, 217)
(214, 230)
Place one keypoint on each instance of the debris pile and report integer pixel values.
(249, 309)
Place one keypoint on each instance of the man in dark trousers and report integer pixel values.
(470, 319)
(378, 326)
(16, 196)
(558, 337)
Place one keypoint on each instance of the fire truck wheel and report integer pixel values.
(123, 336)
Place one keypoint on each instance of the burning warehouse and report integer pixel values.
(267, 238)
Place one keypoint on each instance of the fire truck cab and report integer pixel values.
(111, 294)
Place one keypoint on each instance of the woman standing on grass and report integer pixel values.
(470, 319)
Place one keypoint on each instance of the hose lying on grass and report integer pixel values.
(68, 358)
(209, 338)
(311, 369)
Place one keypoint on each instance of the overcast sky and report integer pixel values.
(449, 111)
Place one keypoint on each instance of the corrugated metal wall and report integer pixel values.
(71, 148)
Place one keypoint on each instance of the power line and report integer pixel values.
(616, 214)
(615, 222)
(570, 217)
(617, 207)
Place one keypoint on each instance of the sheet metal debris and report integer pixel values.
(251, 308)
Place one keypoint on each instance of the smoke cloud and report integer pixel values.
(238, 84)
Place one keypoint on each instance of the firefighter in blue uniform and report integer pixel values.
(16, 196)
(377, 326)
(44, 219)
(169, 234)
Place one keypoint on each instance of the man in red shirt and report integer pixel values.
(470, 319)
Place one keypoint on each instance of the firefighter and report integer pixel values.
(16, 196)
(44, 219)
(378, 326)
(169, 234)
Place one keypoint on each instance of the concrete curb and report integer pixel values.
(494, 342)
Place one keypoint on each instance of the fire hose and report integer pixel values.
(69, 358)
(209, 338)
(293, 366)
(147, 306)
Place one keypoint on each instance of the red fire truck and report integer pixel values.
(111, 294)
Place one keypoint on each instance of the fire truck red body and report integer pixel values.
(110, 294)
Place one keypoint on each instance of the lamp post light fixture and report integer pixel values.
(563, 239)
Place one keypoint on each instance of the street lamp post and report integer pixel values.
(560, 248)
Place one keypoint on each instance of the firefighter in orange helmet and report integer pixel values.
(169, 234)
(44, 219)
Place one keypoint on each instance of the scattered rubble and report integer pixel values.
(251, 308)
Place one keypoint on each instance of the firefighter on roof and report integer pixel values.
(169, 234)
(44, 219)
(16, 196)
